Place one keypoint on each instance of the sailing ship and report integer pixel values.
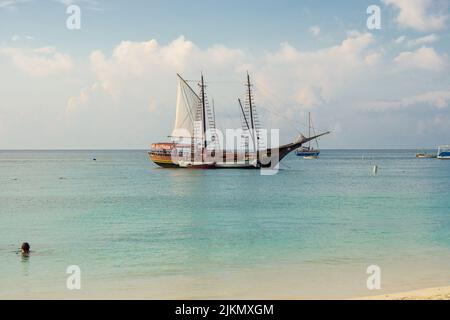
(195, 139)
(308, 152)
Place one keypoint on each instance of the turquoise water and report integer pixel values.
(127, 223)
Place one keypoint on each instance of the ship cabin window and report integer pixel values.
(161, 152)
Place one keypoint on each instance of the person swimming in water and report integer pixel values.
(25, 248)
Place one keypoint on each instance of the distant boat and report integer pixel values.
(444, 152)
(308, 152)
(190, 146)
(314, 156)
(425, 155)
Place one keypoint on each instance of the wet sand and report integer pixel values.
(439, 293)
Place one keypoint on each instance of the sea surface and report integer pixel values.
(139, 231)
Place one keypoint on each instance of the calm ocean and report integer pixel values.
(139, 231)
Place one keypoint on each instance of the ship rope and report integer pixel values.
(269, 98)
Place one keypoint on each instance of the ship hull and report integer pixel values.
(165, 155)
(235, 166)
(308, 153)
(166, 165)
(166, 162)
(162, 160)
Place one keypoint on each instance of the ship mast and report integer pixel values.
(250, 103)
(245, 119)
(309, 129)
(252, 122)
(203, 116)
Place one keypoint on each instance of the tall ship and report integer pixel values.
(196, 143)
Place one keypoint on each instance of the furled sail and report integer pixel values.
(187, 104)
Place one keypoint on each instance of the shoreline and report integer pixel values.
(432, 293)
(436, 293)
(269, 282)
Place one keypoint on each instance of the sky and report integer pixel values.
(112, 83)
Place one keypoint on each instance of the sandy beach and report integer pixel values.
(438, 293)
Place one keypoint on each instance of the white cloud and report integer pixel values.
(423, 40)
(435, 99)
(316, 75)
(141, 76)
(435, 125)
(132, 88)
(374, 58)
(16, 38)
(312, 78)
(70, 2)
(309, 97)
(87, 4)
(315, 30)
(92, 5)
(400, 40)
(421, 15)
(81, 99)
(140, 59)
(39, 62)
(423, 58)
(11, 4)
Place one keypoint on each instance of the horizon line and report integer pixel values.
(146, 149)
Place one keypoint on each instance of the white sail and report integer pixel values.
(187, 104)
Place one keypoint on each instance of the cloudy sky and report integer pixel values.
(112, 83)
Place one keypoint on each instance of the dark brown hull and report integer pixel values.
(166, 165)
(272, 157)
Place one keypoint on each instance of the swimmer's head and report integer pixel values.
(25, 248)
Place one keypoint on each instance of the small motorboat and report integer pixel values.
(421, 154)
(444, 152)
(425, 156)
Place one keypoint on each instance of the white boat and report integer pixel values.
(308, 152)
(424, 155)
(444, 152)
